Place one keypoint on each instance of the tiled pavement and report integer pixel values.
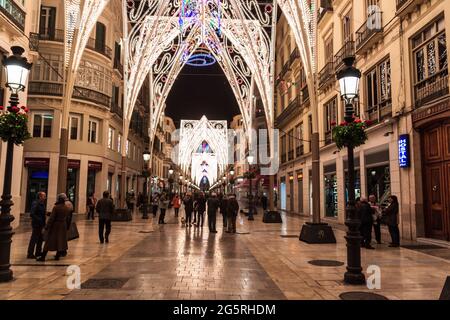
(147, 261)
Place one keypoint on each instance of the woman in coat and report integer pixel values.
(391, 219)
(56, 229)
(176, 204)
(163, 206)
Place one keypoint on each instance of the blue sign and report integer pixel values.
(403, 151)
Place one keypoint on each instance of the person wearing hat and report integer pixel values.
(55, 234)
(213, 206)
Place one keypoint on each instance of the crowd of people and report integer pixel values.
(372, 217)
(50, 229)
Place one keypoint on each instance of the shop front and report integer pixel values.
(331, 191)
(93, 169)
(37, 181)
(378, 175)
(73, 169)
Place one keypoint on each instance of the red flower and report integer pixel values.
(358, 121)
(1, 108)
(369, 122)
(343, 123)
(26, 109)
(15, 109)
(333, 123)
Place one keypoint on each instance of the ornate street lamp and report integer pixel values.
(17, 70)
(349, 78)
(146, 173)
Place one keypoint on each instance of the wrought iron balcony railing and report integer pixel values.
(348, 50)
(431, 88)
(300, 150)
(328, 138)
(115, 108)
(380, 112)
(56, 89)
(369, 32)
(14, 13)
(327, 74)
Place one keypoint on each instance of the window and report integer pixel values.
(100, 35)
(111, 138)
(299, 138)
(42, 125)
(93, 131)
(329, 56)
(283, 148)
(47, 23)
(347, 27)
(378, 91)
(119, 142)
(430, 63)
(330, 114)
(134, 152)
(127, 148)
(75, 127)
(291, 144)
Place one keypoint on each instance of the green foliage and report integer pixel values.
(351, 134)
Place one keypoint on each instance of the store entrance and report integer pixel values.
(37, 182)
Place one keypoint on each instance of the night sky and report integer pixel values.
(201, 91)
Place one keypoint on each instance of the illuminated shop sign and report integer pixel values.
(403, 151)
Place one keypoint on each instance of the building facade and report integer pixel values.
(401, 49)
(96, 114)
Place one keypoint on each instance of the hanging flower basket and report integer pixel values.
(350, 134)
(14, 124)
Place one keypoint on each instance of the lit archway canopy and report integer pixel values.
(245, 44)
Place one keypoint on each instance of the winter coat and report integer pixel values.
(56, 228)
(366, 213)
(213, 205)
(232, 207)
(201, 205)
(176, 202)
(188, 204)
(163, 203)
(37, 214)
(391, 215)
(223, 206)
(105, 208)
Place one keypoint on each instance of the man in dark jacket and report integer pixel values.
(213, 206)
(223, 211)
(366, 213)
(232, 212)
(188, 208)
(37, 215)
(201, 207)
(105, 209)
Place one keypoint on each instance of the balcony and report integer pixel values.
(405, 7)
(348, 50)
(118, 66)
(432, 88)
(369, 33)
(284, 70)
(291, 111)
(56, 90)
(305, 94)
(57, 35)
(116, 109)
(295, 56)
(13, 12)
(327, 75)
(380, 112)
(300, 150)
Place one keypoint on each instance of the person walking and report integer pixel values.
(56, 229)
(90, 205)
(195, 201)
(390, 216)
(188, 208)
(366, 214)
(376, 217)
(213, 206)
(105, 209)
(264, 202)
(176, 204)
(155, 202)
(163, 205)
(37, 215)
(201, 207)
(232, 212)
(223, 211)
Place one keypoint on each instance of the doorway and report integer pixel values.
(436, 182)
(37, 182)
(283, 195)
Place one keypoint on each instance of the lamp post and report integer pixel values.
(250, 196)
(170, 181)
(17, 70)
(349, 85)
(146, 156)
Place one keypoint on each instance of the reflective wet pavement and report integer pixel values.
(145, 260)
